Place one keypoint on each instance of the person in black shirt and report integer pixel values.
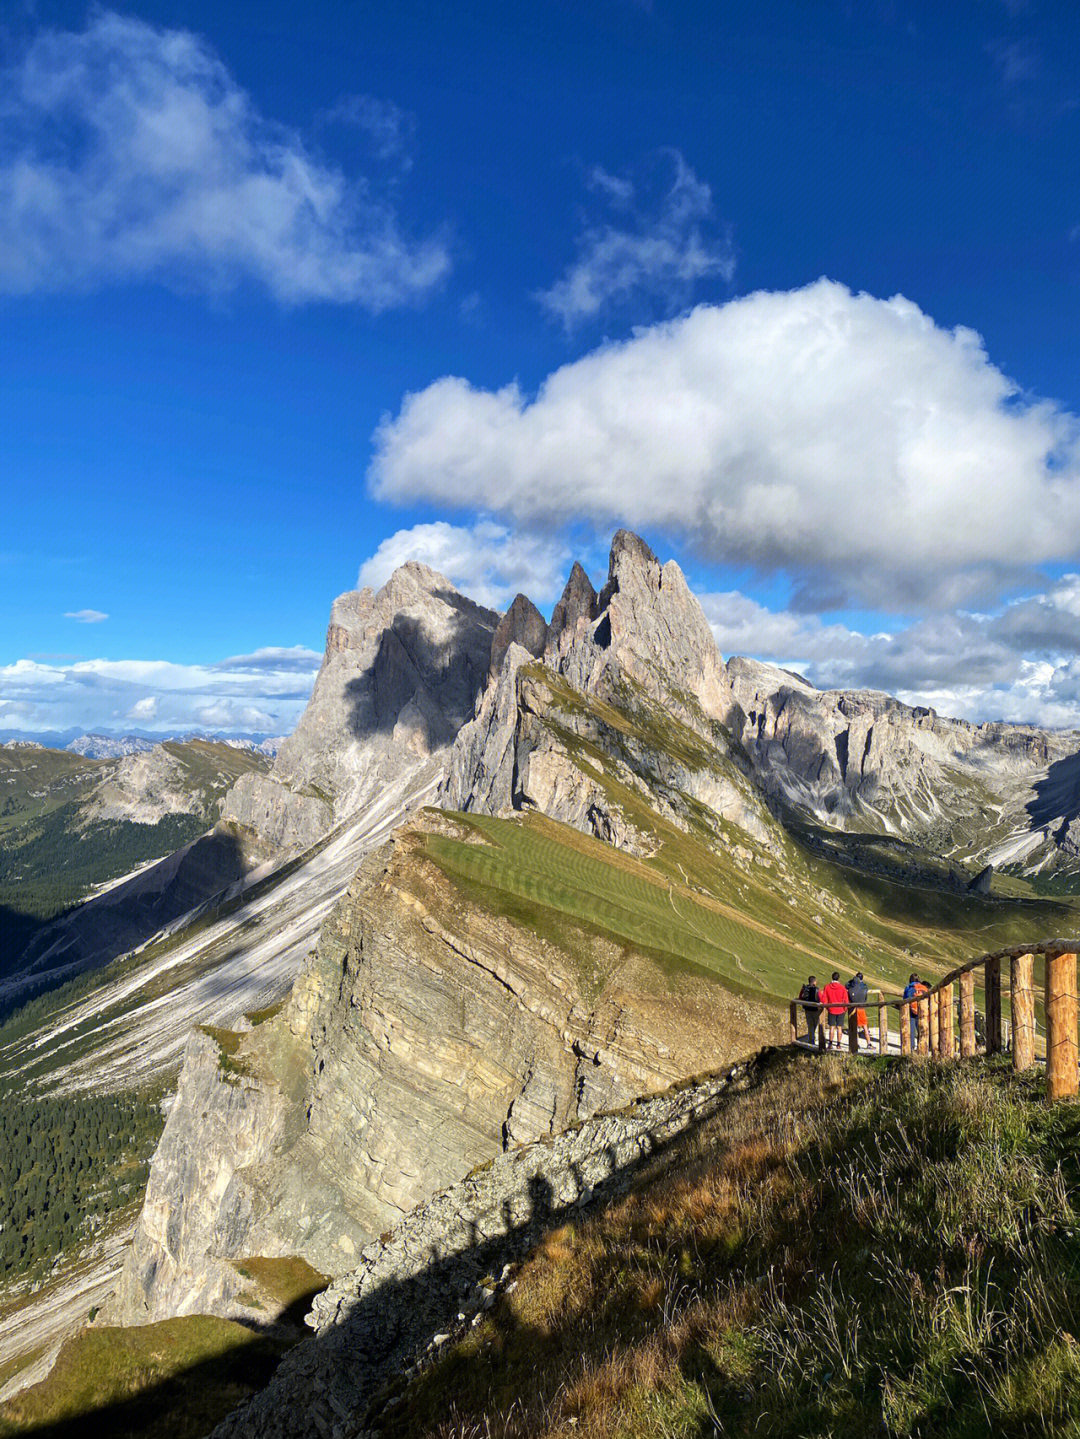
(857, 993)
(810, 997)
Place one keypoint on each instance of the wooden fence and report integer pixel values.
(938, 1034)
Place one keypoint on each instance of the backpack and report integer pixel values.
(811, 993)
(857, 991)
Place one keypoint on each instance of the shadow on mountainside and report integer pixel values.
(17, 929)
(441, 679)
(341, 1372)
(1057, 795)
(91, 934)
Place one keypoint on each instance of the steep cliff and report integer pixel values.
(437, 1023)
(997, 793)
(401, 674)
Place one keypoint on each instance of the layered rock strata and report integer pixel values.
(425, 1035)
(431, 1275)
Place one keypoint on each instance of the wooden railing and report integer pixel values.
(936, 1030)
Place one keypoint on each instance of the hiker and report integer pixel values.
(857, 993)
(910, 993)
(810, 996)
(920, 989)
(835, 997)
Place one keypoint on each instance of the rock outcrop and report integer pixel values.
(427, 1033)
(854, 758)
(401, 674)
(432, 1274)
(633, 675)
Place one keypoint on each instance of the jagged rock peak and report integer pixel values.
(402, 672)
(577, 608)
(630, 561)
(523, 625)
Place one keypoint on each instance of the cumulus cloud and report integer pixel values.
(847, 442)
(656, 248)
(86, 617)
(130, 152)
(249, 693)
(487, 560)
(1020, 662)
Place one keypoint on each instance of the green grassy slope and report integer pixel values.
(844, 1250)
(53, 849)
(171, 1380)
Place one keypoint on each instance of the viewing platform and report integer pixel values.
(937, 1026)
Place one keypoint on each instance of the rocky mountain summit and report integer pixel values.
(401, 673)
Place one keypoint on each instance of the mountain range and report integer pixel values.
(507, 873)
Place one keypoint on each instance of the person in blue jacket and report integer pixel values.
(911, 992)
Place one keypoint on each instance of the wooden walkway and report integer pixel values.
(944, 1030)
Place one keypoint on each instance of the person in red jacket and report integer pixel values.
(835, 998)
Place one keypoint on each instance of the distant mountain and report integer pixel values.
(103, 746)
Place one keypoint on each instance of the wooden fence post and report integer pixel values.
(794, 1023)
(967, 1014)
(922, 1023)
(1062, 1078)
(933, 1004)
(852, 1032)
(992, 983)
(946, 1036)
(883, 1029)
(905, 1028)
(1022, 995)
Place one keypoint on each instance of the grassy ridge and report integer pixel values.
(758, 927)
(843, 1251)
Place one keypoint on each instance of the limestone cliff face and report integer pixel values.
(632, 678)
(425, 1035)
(401, 674)
(992, 791)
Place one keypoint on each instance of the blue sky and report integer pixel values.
(292, 293)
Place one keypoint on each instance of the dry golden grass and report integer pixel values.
(837, 1252)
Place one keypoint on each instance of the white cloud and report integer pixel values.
(845, 441)
(86, 617)
(130, 153)
(389, 129)
(489, 562)
(658, 250)
(297, 658)
(1019, 663)
(251, 692)
(224, 715)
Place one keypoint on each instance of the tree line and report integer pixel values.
(66, 1163)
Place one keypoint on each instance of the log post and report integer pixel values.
(1022, 995)
(933, 1004)
(853, 1031)
(922, 1023)
(967, 1014)
(794, 1023)
(905, 1028)
(1062, 1078)
(822, 1030)
(883, 1028)
(946, 1036)
(992, 983)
